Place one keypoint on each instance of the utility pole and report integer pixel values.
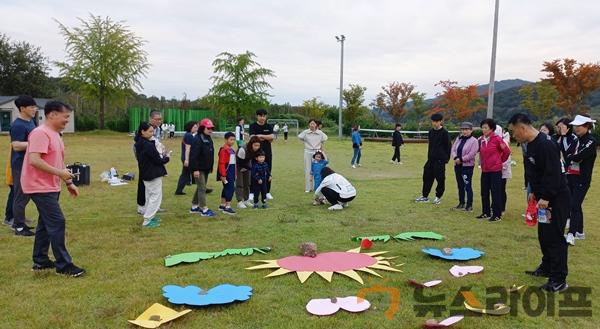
(490, 104)
(341, 39)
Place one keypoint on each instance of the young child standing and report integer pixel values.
(261, 175)
(397, 141)
(226, 173)
(318, 163)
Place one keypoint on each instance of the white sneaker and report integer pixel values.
(345, 205)
(359, 165)
(249, 203)
(336, 207)
(307, 191)
(269, 196)
(241, 205)
(392, 162)
(400, 162)
(353, 166)
(579, 236)
(251, 197)
(570, 239)
(437, 200)
(422, 199)
(568, 225)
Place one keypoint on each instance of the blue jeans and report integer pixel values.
(356, 156)
(50, 230)
(464, 176)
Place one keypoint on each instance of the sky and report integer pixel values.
(416, 41)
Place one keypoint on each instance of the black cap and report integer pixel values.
(261, 112)
(24, 101)
(437, 117)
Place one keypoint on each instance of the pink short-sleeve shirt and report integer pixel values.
(50, 145)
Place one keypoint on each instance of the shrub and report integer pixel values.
(85, 122)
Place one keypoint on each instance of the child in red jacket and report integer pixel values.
(226, 173)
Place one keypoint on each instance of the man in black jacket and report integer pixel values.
(265, 132)
(397, 141)
(202, 157)
(438, 154)
(549, 188)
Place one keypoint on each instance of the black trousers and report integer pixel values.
(396, 156)
(504, 195)
(578, 192)
(185, 178)
(259, 189)
(333, 197)
(552, 241)
(464, 181)
(269, 160)
(491, 182)
(50, 231)
(141, 192)
(434, 170)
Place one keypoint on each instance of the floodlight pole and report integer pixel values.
(491, 90)
(341, 39)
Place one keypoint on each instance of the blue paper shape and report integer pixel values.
(457, 253)
(195, 296)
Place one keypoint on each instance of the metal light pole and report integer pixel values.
(490, 104)
(341, 39)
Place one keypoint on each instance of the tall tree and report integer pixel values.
(393, 98)
(419, 106)
(573, 81)
(23, 69)
(105, 60)
(239, 83)
(539, 98)
(457, 102)
(314, 108)
(354, 97)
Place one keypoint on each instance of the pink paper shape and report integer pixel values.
(460, 271)
(327, 262)
(326, 306)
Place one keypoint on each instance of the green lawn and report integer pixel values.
(125, 262)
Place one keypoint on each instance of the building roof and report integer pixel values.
(41, 102)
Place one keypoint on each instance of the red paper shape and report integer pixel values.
(531, 214)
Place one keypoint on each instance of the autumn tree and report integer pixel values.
(393, 98)
(354, 97)
(105, 60)
(539, 98)
(314, 108)
(457, 102)
(573, 81)
(239, 83)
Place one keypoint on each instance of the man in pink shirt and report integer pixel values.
(43, 170)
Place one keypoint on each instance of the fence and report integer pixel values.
(171, 115)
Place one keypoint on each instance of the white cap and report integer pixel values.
(580, 120)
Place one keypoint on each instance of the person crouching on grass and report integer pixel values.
(336, 189)
(261, 176)
(152, 170)
(226, 173)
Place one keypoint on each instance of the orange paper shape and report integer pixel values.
(157, 315)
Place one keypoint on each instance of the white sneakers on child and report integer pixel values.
(570, 239)
(241, 205)
(269, 196)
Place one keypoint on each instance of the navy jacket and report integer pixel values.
(202, 153)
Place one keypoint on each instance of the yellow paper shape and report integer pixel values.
(157, 315)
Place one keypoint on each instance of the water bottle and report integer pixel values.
(542, 217)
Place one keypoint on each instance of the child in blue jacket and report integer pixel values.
(357, 146)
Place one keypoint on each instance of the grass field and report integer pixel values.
(125, 262)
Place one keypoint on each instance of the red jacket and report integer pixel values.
(226, 158)
(492, 153)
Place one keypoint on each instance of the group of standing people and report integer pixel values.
(245, 172)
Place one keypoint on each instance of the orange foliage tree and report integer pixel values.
(573, 81)
(457, 102)
(394, 97)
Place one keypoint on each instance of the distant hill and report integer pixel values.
(502, 85)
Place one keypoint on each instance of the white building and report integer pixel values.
(9, 112)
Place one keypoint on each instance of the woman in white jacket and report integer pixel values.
(336, 189)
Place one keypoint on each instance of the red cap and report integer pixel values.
(206, 123)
